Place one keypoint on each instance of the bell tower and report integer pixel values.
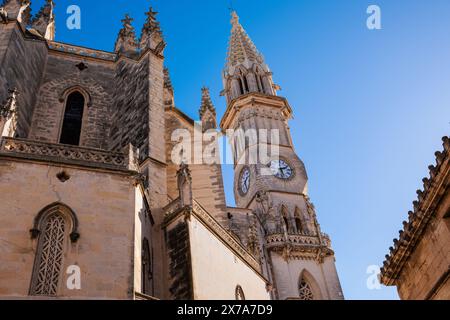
(271, 179)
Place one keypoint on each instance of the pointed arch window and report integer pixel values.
(259, 83)
(239, 293)
(246, 87)
(305, 291)
(73, 118)
(241, 87)
(298, 221)
(52, 227)
(147, 272)
(259, 80)
(243, 83)
(49, 257)
(285, 216)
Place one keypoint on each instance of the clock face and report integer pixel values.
(244, 181)
(281, 169)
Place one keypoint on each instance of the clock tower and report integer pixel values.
(271, 180)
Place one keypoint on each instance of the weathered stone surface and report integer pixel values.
(60, 78)
(104, 205)
(25, 76)
(127, 243)
(419, 261)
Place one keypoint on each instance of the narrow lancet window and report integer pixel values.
(73, 117)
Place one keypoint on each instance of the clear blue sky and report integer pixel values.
(370, 106)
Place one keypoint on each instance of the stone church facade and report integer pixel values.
(89, 187)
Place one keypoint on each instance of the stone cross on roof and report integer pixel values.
(126, 40)
(151, 24)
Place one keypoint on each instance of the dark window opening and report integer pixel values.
(298, 224)
(286, 223)
(246, 85)
(259, 83)
(241, 87)
(73, 116)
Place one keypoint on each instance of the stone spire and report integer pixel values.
(245, 71)
(152, 37)
(17, 9)
(126, 40)
(207, 111)
(207, 104)
(44, 21)
(241, 49)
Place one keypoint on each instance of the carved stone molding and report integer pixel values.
(85, 52)
(176, 208)
(43, 151)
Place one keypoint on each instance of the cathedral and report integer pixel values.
(94, 205)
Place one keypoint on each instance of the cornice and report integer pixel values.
(249, 100)
(62, 48)
(424, 210)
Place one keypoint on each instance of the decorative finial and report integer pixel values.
(207, 111)
(126, 40)
(234, 18)
(151, 36)
(44, 21)
(206, 103)
(126, 21)
(7, 109)
(3, 15)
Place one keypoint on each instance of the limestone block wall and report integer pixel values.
(207, 180)
(156, 107)
(104, 204)
(179, 261)
(217, 270)
(60, 78)
(22, 64)
(130, 116)
(143, 231)
(424, 274)
(322, 278)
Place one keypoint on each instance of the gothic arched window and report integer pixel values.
(305, 291)
(243, 83)
(298, 221)
(259, 80)
(239, 293)
(73, 118)
(246, 87)
(285, 216)
(51, 227)
(49, 255)
(147, 273)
